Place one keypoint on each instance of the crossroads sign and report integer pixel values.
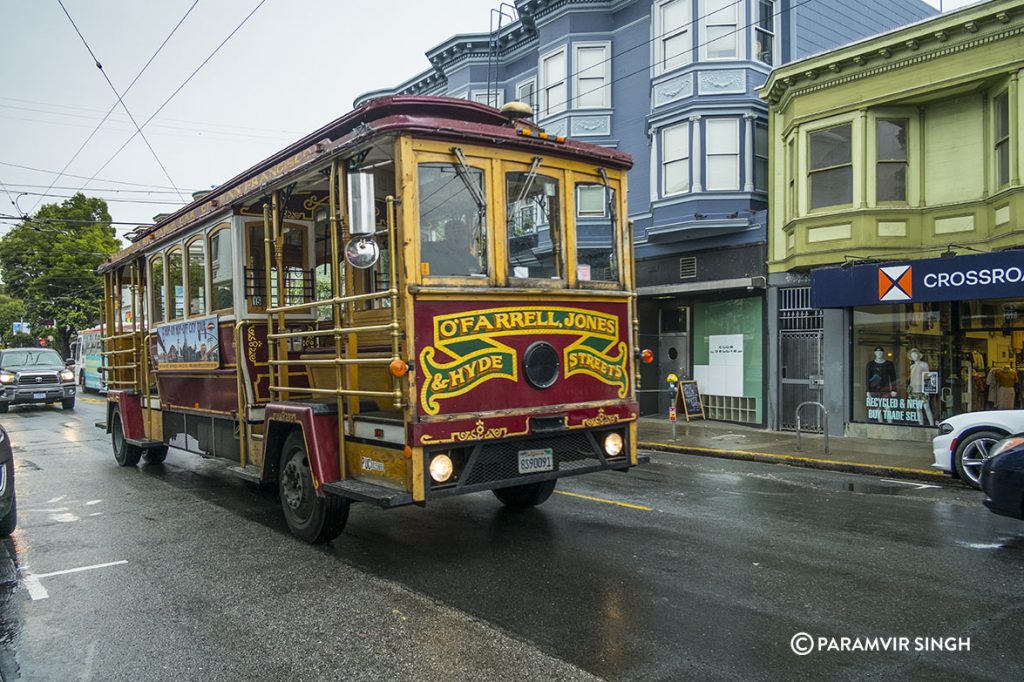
(988, 275)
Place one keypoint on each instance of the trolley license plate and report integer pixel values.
(38, 396)
(532, 461)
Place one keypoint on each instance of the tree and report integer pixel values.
(49, 262)
(11, 310)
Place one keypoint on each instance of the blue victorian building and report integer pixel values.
(672, 82)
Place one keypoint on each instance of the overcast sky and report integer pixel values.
(293, 66)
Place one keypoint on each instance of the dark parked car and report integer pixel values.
(8, 505)
(35, 375)
(1002, 477)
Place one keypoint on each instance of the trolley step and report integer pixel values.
(250, 473)
(360, 491)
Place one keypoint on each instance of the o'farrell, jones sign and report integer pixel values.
(961, 278)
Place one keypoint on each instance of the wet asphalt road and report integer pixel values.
(709, 573)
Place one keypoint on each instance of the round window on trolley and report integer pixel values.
(540, 365)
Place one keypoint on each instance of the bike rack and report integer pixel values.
(824, 424)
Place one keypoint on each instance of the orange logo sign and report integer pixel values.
(895, 283)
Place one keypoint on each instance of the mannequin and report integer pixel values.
(880, 376)
(915, 390)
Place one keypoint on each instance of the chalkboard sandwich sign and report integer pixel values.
(688, 400)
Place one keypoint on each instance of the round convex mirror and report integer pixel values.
(362, 252)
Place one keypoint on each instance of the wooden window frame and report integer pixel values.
(216, 230)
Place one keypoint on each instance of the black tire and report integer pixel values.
(4, 407)
(68, 403)
(126, 454)
(528, 495)
(9, 521)
(155, 455)
(311, 517)
(972, 452)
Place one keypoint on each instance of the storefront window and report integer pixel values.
(917, 364)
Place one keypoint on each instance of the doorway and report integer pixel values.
(673, 351)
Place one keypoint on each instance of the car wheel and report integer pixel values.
(313, 518)
(10, 520)
(126, 454)
(155, 455)
(972, 452)
(528, 495)
(68, 404)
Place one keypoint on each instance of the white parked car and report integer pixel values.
(965, 441)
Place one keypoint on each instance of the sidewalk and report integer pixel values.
(890, 458)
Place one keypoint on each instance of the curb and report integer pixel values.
(805, 462)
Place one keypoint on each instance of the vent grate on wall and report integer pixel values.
(687, 267)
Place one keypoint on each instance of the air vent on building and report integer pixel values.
(687, 267)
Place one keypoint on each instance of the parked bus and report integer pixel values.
(85, 351)
(425, 298)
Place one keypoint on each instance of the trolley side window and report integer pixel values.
(534, 226)
(175, 287)
(158, 294)
(597, 253)
(196, 267)
(221, 270)
(298, 279)
(453, 220)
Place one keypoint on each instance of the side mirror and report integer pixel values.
(70, 362)
(361, 210)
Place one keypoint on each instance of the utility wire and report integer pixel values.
(96, 189)
(83, 177)
(177, 90)
(120, 99)
(120, 201)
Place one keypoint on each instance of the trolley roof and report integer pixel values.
(441, 118)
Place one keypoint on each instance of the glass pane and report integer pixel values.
(596, 248)
(1002, 116)
(676, 51)
(534, 226)
(453, 233)
(761, 173)
(830, 147)
(720, 11)
(674, 15)
(721, 42)
(592, 92)
(220, 270)
(892, 140)
(763, 49)
(760, 140)
(590, 61)
(766, 15)
(723, 136)
(891, 182)
(677, 176)
(158, 294)
(174, 279)
(723, 172)
(676, 142)
(527, 93)
(832, 187)
(554, 68)
(196, 278)
(590, 200)
(1003, 162)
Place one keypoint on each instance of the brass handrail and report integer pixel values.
(292, 307)
(336, 330)
(336, 361)
(335, 391)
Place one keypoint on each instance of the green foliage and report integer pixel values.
(11, 310)
(21, 340)
(49, 263)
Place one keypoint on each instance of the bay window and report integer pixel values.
(831, 166)
(672, 34)
(723, 153)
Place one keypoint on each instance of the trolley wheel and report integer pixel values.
(155, 454)
(528, 495)
(126, 454)
(313, 518)
(68, 403)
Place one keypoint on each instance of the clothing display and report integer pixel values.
(880, 377)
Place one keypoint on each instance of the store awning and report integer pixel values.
(955, 278)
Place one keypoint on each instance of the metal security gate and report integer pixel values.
(800, 359)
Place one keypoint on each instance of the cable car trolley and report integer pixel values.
(425, 298)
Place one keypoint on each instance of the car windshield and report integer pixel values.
(35, 359)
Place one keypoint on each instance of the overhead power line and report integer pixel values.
(117, 94)
(83, 177)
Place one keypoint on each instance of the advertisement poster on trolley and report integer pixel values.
(191, 344)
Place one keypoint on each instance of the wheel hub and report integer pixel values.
(292, 487)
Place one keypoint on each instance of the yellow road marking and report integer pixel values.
(651, 445)
(92, 400)
(601, 499)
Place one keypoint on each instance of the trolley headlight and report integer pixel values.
(613, 444)
(67, 375)
(6, 378)
(441, 467)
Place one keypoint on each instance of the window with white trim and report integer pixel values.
(526, 92)
(554, 89)
(675, 159)
(720, 29)
(592, 75)
(722, 153)
(672, 35)
(831, 166)
(764, 31)
(492, 98)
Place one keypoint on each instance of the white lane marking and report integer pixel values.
(92, 502)
(912, 484)
(96, 514)
(56, 499)
(35, 587)
(45, 511)
(67, 517)
(87, 667)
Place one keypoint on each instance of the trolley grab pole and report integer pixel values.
(333, 211)
(824, 413)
